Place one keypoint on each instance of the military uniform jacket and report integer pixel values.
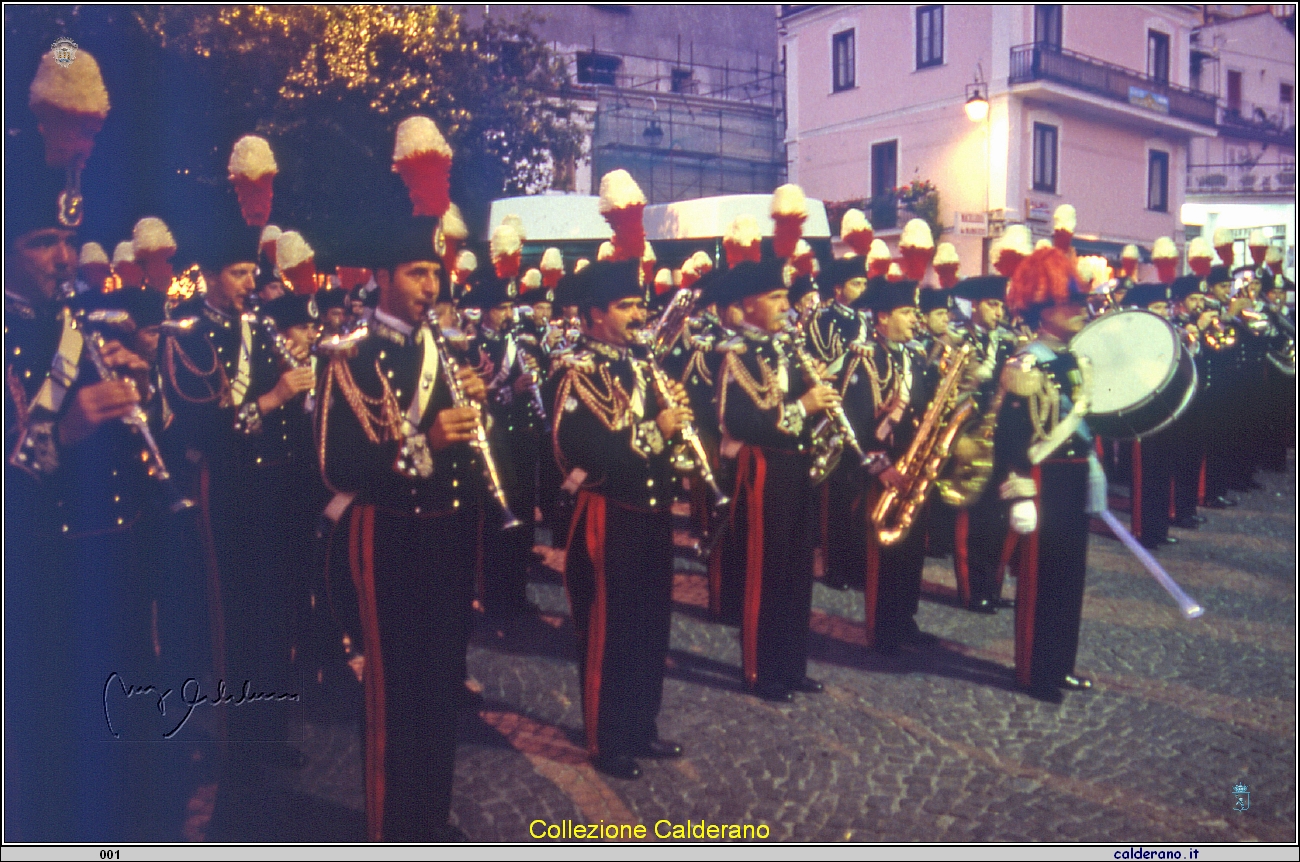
(992, 350)
(95, 487)
(886, 391)
(704, 352)
(832, 329)
(605, 429)
(759, 388)
(371, 434)
(1036, 411)
(497, 357)
(212, 379)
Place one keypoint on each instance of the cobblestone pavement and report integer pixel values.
(936, 745)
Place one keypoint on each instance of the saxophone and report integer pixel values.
(925, 459)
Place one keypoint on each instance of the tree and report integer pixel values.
(329, 84)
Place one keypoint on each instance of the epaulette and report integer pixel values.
(579, 360)
(865, 349)
(735, 344)
(1022, 375)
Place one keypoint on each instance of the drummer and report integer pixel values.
(1153, 456)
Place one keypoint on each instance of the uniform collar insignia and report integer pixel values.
(218, 317)
(391, 328)
(608, 351)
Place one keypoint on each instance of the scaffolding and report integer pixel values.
(685, 129)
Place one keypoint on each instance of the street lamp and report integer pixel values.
(977, 101)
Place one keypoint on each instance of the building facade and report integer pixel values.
(1244, 179)
(1086, 105)
(688, 99)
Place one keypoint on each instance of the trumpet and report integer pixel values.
(698, 459)
(834, 432)
(491, 475)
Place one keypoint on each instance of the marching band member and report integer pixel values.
(980, 529)
(1045, 467)
(765, 410)
(829, 335)
(612, 432)
(885, 393)
(1154, 456)
(392, 436)
(507, 364)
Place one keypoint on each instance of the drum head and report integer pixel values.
(1134, 354)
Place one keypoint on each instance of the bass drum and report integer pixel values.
(1143, 378)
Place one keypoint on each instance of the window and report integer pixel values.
(884, 177)
(1284, 93)
(1044, 158)
(929, 36)
(1158, 56)
(598, 68)
(1158, 181)
(842, 55)
(1047, 26)
(684, 81)
(1198, 62)
(1234, 91)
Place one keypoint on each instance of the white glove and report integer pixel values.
(1017, 487)
(1024, 516)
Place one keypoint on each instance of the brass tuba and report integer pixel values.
(925, 459)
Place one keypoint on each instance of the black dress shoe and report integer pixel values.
(808, 685)
(1076, 683)
(1186, 524)
(773, 691)
(617, 766)
(660, 748)
(983, 606)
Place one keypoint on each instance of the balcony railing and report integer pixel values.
(1270, 126)
(1044, 62)
(1273, 178)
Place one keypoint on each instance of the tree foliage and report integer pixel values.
(327, 85)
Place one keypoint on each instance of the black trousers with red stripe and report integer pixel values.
(893, 592)
(1050, 570)
(979, 537)
(414, 579)
(780, 510)
(619, 575)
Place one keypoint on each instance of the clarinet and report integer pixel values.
(479, 442)
(689, 435)
(156, 468)
(835, 414)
